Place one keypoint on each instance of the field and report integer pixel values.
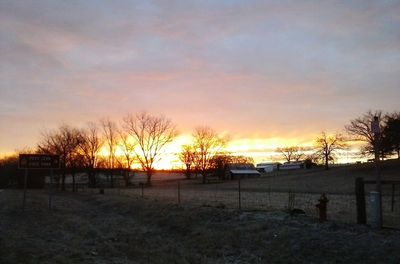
(272, 191)
(94, 228)
(183, 221)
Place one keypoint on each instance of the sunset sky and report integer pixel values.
(268, 73)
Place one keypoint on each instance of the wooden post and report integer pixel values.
(142, 185)
(360, 199)
(25, 183)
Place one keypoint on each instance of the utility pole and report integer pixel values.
(376, 196)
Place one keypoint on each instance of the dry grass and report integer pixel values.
(122, 227)
(272, 191)
(93, 228)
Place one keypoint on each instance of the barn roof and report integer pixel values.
(244, 172)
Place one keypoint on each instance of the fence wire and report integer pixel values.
(231, 195)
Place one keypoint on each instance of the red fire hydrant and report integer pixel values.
(322, 207)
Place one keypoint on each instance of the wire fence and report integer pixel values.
(241, 195)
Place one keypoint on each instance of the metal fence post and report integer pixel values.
(240, 194)
(179, 192)
(360, 200)
(376, 212)
(50, 188)
(393, 191)
(119, 186)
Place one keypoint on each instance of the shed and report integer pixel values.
(268, 167)
(292, 166)
(241, 170)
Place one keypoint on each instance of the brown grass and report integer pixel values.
(93, 228)
(122, 227)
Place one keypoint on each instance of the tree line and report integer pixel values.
(141, 139)
(137, 139)
(387, 142)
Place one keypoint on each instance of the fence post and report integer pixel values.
(25, 187)
(215, 193)
(142, 185)
(50, 188)
(393, 189)
(240, 194)
(119, 186)
(179, 193)
(360, 199)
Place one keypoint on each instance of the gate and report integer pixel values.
(389, 198)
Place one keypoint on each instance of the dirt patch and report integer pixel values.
(93, 228)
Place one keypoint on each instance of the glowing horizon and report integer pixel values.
(261, 150)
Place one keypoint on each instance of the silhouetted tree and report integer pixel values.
(241, 159)
(391, 133)
(360, 130)
(90, 145)
(8, 170)
(292, 153)
(207, 144)
(326, 145)
(220, 162)
(63, 141)
(128, 147)
(151, 134)
(111, 140)
(187, 157)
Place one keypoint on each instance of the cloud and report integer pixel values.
(252, 68)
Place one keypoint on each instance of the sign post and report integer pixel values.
(376, 197)
(38, 161)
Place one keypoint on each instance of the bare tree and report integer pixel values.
(111, 138)
(9, 169)
(326, 145)
(241, 159)
(221, 161)
(391, 133)
(291, 153)
(207, 143)
(152, 134)
(187, 157)
(64, 142)
(360, 130)
(128, 147)
(90, 146)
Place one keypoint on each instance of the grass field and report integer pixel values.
(197, 223)
(272, 191)
(111, 228)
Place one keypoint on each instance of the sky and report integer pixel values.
(266, 73)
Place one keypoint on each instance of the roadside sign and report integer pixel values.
(375, 127)
(39, 161)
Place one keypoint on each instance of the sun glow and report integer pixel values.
(167, 158)
(258, 144)
(260, 149)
